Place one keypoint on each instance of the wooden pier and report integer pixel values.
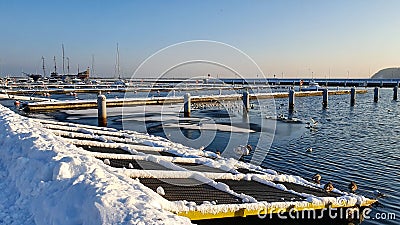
(92, 104)
(26, 98)
(23, 89)
(214, 187)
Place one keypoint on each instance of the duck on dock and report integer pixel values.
(160, 190)
(243, 150)
(317, 178)
(280, 117)
(353, 187)
(328, 187)
(107, 162)
(248, 146)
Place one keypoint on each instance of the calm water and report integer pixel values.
(359, 143)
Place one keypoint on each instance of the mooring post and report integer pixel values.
(352, 96)
(102, 110)
(395, 90)
(186, 105)
(376, 94)
(291, 100)
(325, 98)
(246, 101)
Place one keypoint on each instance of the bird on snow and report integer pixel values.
(107, 162)
(160, 190)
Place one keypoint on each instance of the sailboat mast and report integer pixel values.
(92, 64)
(43, 67)
(68, 65)
(63, 58)
(117, 64)
(55, 65)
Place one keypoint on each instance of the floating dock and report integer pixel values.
(22, 89)
(205, 185)
(26, 98)
(92, 104)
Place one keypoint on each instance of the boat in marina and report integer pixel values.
(312, 86)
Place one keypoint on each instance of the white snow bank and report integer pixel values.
(43, 180)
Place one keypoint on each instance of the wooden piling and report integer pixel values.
(376, 94)
(395, 90)
(102, 110)
(352, 96)
(325, 98)
(291, 100)
(246, 101)
(186, 105)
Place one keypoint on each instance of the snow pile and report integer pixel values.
(45, 181)
(160, 190)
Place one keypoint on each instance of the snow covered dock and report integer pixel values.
(87, 104)
(59, 173)
(25, 98)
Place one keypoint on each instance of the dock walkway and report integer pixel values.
(26, 98)
(92, 104)
(205, 185)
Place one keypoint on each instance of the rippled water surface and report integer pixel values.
(359, 143)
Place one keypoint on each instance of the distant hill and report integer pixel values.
(388, 73)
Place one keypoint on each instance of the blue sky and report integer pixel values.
(296, 38)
